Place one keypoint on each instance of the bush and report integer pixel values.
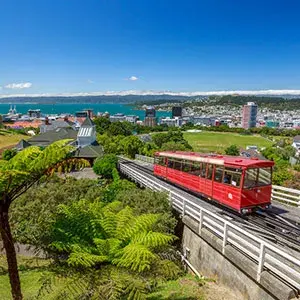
(105, 165)
(9, 153)
(232, 150)
(147, 201)
(280, 176)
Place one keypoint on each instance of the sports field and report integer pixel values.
(208, 141)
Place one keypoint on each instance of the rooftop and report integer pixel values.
(217, 159)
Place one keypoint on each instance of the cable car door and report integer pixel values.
(208, 181)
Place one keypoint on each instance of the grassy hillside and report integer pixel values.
(8, 138)
(208, 141)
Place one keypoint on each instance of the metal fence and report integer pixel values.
(266, 255)
(279, 193)
(143, 158)
(287, 195)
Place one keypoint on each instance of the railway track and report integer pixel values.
(272, 227)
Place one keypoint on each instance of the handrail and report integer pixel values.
(279, 193)
(287, 195)
(264, 253)
(144, 158)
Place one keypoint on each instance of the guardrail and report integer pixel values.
(283, 194)
(266, 255)
(143, 158)
(279, 193)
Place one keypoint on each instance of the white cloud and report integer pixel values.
(23, 85)
(90, 81)
(133, 78)
(151, 92)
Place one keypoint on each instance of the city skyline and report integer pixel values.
(55, 47)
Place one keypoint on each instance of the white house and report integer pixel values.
(296, 144)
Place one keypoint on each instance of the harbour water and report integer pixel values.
(70, 108)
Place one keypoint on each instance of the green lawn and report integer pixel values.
(10, 138)
(208, 141)
(184, 288)
(33, 273)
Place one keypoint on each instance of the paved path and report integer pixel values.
(86, 173)
(24, 250)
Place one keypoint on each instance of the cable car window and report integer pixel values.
(170, 163)
(177, 165)
(186, 166)
(195, 168)
(160, 160)
(232, 176)
(203, 170)
(218, 174)
(209, 171)
(264, 176)
(250, 178)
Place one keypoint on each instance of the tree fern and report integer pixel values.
(142, 223)
(153, 239)
(107, 234)
(84, 259)
(109, 283)
(136, 257)
(17, 175)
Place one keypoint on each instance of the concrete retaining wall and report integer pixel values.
(232, 269)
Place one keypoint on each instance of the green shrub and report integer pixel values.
(232, 150)
(105, 165)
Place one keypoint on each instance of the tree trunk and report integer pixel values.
(11, 256)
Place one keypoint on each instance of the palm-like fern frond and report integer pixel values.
(93, 234)
(153, 239)
(84, 259)
(109, 283)
(136, 257)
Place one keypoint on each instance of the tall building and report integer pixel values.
(150, 112)
(176, 111)
(150, 121)
(249, 115)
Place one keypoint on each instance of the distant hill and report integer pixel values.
(93, 99)
(275, 102)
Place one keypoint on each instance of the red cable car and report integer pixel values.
(240, 183)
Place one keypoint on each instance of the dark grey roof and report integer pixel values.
(297, 138)
(90, 151)
(56, 124)
(22, 145)
(49, 137)
(87, 122)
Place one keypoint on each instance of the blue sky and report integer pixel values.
(62, 46)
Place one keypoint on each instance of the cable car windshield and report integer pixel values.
(257, 177)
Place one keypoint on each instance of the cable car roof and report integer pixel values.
(217, 159)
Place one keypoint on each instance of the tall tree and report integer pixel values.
(17, 175)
